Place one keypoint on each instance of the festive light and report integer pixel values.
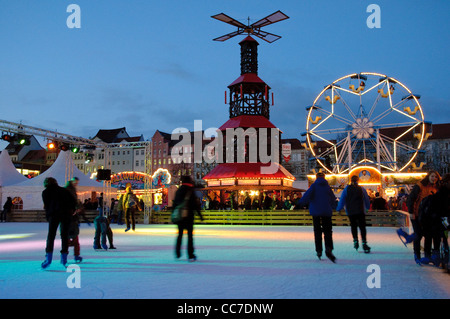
(52, 145)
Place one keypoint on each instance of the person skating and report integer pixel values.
(103, 231)
(129, 202)
(185, 194)
(356, 202)
(424, 188)
(58, 205)
(6, 209)
(321, 201)
(74, 227)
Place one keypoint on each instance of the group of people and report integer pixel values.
(321, 202)
(247, 202)
(428, 206)
(63, 210)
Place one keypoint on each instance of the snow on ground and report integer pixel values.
(234, 262)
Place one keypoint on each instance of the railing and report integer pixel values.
(285, 217)
(227, 217)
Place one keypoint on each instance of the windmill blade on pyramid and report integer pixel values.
(266, 36)
(224, 18)
(228, 36)
(271, 18)
(254, 28)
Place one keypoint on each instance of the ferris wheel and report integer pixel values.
(366, 119)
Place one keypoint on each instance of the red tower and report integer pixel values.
(251, 152)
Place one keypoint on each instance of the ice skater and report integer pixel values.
(103, 231)
(187, 195)
(129, 202)
(321, 201)
(356, 202)
(59, 205)
(6, 209)
(424, 188)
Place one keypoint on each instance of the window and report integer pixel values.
(137, 163)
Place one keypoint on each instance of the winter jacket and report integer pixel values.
(418, 193)
(128, 200)
(58, 202)
(193, 203)
(355, 200)
(320, 198)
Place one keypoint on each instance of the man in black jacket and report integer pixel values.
(58, 205)
(186, 194)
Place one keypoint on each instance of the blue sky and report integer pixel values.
(150, 65)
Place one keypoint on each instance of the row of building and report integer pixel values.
(134, 153)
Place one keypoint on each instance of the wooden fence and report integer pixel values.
(279, 217)
(283, 217)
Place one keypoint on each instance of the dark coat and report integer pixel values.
(193, 204)
(320, 198)
(58, 202)
(355, 200)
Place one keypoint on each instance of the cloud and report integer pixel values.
(176, 70)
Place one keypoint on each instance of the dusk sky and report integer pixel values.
(148, 65)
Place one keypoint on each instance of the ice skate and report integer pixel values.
(47, 261)
(436, 258)
(64, 259)
(319, 255)
(78, 259)
(404, 237)
(192, 258)
(355, 244)
(366, 248)
(330, 255)
(417, 259)
(425, 260)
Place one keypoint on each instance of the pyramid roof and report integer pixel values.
(8, 173)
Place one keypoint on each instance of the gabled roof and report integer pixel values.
(111, 136)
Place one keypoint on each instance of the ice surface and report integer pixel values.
(234, 262)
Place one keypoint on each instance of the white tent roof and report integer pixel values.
(8, 173)
(63, 169)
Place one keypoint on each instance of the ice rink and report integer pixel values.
(234, 262)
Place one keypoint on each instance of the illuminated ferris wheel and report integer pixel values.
(365, 119)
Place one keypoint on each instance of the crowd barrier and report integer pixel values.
(228, 217)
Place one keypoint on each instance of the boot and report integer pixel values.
(64, 259)
(78, 259)
(47, 261)
(355, 244)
